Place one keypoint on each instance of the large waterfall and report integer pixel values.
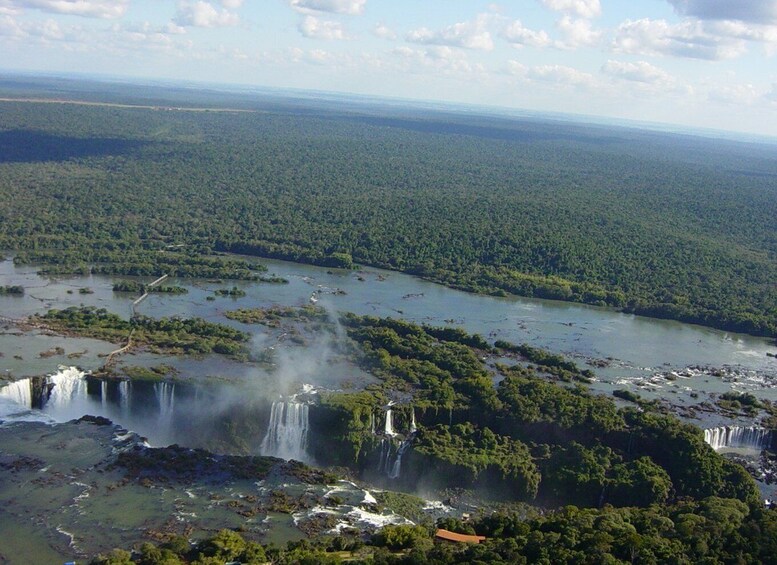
(287, 434)
(69, 385)
(751, 437)
(19, 392)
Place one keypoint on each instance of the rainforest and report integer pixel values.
(262, 327)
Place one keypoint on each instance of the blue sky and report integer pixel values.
(701, 63)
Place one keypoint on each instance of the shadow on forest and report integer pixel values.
(25, 146)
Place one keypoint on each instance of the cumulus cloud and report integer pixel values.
(755, 11)
(204, 14)
(516, 68)
(735, 94)
(640, 71)
(84, 8)
(469, 35)
(519, 35)
(578, 32)
(444, 59)
(383, 31)
(686, 39)
(580, 8)
(232, 4)
(560, 74)
(353, 7)
(316, 28)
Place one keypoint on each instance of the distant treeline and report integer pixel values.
(658, 225)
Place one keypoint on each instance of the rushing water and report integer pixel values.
(221, 417)
(746, 437)
(287, 432)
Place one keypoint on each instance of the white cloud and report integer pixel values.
(232, 4)
(640, 71)
(204, 14)
(560, 74)
(516, 68)
(686, 39)
(353, 7)
(772, 94)
(9, 27)
(383, 31)
(581, 8)
(517, 34)
(578, 33)
(469, 35)
(84, 8)
(755, 11)
(443, 59)
(735, 94)
(315, 28)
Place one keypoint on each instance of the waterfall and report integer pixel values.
(287, 434)
(751, 437)
(385, 455)
(165, 396)
(125, 390)
(19, 392)
(396, 467)
(104, 394)
(389, 428)
(69, 384)
(372, 423)
(413, 427)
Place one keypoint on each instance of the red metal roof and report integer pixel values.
(459, 538)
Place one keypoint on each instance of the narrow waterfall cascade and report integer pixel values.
(69, 385)
(125, 391)
(389, 427)
(750, 437)
(372, 423)
(19, 392)
(165, 395)
(413, 427)
(396, 467)
(104, 394)
(287, 433)
(385, 455)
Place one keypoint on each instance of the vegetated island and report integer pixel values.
(661, 225)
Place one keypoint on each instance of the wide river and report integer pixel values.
(639, 351)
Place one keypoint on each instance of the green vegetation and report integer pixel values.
(195, 336)
(13, 290)
(525, 439)
(273, 316)
(660, 225)
(129, 286)
(168, 289)
(712, 530)
(234, 292)
(101, 257)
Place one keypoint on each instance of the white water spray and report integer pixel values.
(19, 392)
(751, 437)
(69, 385)
(389, 427)
(287, 434)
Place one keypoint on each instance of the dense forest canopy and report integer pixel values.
(663, 225)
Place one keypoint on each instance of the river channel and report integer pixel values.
(656, 358)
